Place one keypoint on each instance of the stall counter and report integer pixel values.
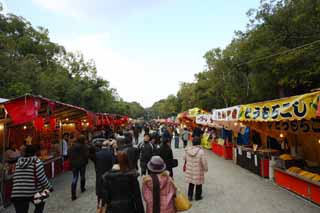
(302, 186)
(224, 151)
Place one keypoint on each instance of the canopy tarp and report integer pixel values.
(30, 108)
(286, 109)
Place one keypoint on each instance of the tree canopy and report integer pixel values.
(276, 56)
(31, 63)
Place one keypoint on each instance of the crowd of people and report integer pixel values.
(119, 161)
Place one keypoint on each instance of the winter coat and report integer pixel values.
(133, 156)
(167, 193)
(166, 154)
(196, 165)
(122, 192)
(78, 155)
(146, 152)
(24, 178)
(104, 163)
(197, 132)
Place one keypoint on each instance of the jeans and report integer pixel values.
(76, 172)
(198, 191)
(22, 206)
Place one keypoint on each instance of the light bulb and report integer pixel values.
(281, 135)
(24, 127)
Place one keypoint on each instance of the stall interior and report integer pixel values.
(41, 122)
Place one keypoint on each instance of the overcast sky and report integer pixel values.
(144, 48)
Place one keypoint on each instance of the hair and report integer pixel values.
(196, 141)
(123, 161)
(65, 134)
(30, 151)
(82, 139)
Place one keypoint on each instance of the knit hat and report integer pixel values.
(156, 164)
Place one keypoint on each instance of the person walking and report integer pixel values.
(104, 163)
(158, 188)
(146, 152)
(28, 179)
(78, 157)
(136, 133)
(185, 137)
(197, 132)
(176, 138)
(65, 146)
(132, 152)
(121, 187)
(165, 152)
(196, 166)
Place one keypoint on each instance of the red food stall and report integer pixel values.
(41, 122)
(225, 119)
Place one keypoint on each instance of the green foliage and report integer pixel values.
(31, 63)
(267, 61)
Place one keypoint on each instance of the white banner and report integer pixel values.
(227, 114)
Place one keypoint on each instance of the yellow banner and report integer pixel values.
(292, 108)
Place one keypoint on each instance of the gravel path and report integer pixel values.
(228, 189)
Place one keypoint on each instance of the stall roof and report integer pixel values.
(26, 108)
(286, 109)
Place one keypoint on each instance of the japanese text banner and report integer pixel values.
(292, 108)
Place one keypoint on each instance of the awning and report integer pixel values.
(286, 109)
(31, 108)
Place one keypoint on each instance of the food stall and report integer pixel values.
(288, 131)
(41, 122)
(228, 129)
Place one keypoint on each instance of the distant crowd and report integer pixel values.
(119, 159)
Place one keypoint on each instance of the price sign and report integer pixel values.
(249, 155)
(255, 160)
(239, 151)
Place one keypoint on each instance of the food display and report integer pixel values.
(306, 174)
(286, 157)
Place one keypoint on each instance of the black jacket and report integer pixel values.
(165, 152)
(78, 155)
(146, 152)
(104, 163)
(122, 192)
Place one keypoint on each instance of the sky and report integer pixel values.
(144, 48)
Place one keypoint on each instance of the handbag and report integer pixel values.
(38, 197)
(181, 201)
(172, 163)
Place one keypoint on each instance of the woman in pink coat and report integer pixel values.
(158, 188)
(196, 166)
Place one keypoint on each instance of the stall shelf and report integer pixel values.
(302, 186)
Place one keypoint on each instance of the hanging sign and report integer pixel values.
(292, 108)
(227, 114)
(203, 119)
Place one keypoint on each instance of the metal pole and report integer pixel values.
(3, 160)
